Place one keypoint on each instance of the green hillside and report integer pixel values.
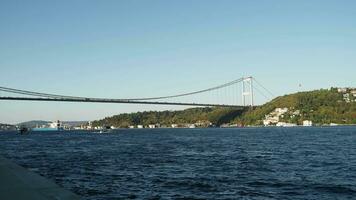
(203, 116)
(320, 106)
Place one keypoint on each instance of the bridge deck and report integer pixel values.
(100, 100)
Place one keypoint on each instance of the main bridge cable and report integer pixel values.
(55, 96)
(190, 93)
(268, 91)
(37, 94)
(261, 93)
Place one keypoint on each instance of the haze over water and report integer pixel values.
(250, 163)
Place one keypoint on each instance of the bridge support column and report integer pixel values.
(247, 91)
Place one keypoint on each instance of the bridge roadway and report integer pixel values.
(102, 100)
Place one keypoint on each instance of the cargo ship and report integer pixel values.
(54, 126)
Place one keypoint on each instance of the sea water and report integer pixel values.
(244, 163)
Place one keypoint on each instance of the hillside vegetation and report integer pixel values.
(320, 106)
(202, 116)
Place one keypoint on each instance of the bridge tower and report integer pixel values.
(247, 91)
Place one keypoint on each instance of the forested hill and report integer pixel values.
(202, 116)
(320, 106)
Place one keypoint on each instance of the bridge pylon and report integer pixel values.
(247, 91)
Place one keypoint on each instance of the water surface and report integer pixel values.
(250, 163)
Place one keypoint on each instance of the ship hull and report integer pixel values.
(47, 129)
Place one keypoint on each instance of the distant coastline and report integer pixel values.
(325, 107)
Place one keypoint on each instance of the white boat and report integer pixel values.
(105, 129)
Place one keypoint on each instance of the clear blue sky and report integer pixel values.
(147, 48)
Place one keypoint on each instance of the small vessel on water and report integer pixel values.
(105, 129)
(24, 130)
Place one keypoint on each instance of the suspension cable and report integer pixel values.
(264, 88)
(39, 94)
(261, 93)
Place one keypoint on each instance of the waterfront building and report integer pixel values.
(307, 123)
(192, 126)
(284, 124)
(89, 127)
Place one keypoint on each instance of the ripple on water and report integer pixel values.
(298, 163)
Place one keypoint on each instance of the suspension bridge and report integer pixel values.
(239, 93)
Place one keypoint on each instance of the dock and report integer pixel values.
(18, 183)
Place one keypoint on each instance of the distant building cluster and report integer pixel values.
(198, 124)
(280, 116)
(7, 127)
(275, 118)
(348, 94)
(307, 123)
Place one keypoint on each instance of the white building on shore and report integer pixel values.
(274, 116)
(307, 123)
(285, 124)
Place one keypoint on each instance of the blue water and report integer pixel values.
(250, 163)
